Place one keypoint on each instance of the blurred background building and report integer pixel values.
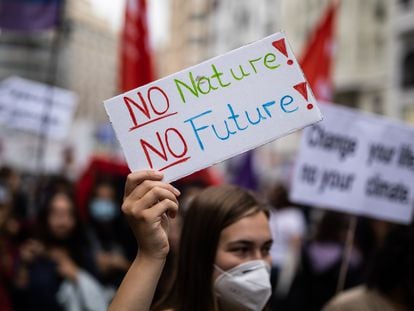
(87, 54)
(361, 74)
(91, 57)
(362, 50)
(402, 82)
(87, 57)
(189, 36)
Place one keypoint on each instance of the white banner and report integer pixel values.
(36, 107)
(357, 163)
(213, 111)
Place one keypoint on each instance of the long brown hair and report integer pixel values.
(76, 242)
(214, 209)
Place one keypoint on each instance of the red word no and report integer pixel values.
(169, 153)
(154, 108)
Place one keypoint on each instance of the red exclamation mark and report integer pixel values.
(280, 45)
(303, 90)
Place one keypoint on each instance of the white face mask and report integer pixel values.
(246, 285)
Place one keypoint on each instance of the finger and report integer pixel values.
(136, 178)
(152, 197)
(147, 185)
(155, 195)
(164, 206)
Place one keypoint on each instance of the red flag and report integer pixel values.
(136, 64)
(317, 59)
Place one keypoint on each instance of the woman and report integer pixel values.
(59, 265)
(224, 259)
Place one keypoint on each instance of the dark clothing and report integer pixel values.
(44, 283)
(317, 278)
(8, 262)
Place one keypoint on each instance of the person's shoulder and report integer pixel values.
(349, 300)
(360, 298)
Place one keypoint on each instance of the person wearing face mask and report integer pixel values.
(106, 236)
(224, 260)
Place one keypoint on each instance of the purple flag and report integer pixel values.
(244, 173)
(29, 15)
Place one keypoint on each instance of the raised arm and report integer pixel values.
(148, 205)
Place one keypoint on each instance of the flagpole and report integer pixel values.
(51, 81)
(349, 245)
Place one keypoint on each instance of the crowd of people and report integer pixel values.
(52, 257)
(142, 244)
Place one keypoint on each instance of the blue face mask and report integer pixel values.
(103, 210)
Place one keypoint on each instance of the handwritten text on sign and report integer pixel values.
(213, 111)
(357, 163)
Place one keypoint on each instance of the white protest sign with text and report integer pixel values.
(28, 105)
(213, 111)
(357, 163)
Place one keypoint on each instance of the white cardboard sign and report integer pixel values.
(357, 163)
(215, 110)
(24, 103)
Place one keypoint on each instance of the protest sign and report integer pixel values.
(213, 111)
(357, 163)
(36, 107)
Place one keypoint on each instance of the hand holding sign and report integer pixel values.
(213, 111)
(147, 201)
